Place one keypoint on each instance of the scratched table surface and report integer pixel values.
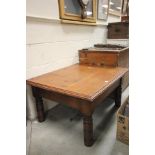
(86, 82)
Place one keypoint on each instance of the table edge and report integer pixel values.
(74, 94)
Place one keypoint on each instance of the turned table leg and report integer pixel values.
(39, 105)
(118, 94)
(88, 130)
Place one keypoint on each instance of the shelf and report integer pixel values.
(54, 20)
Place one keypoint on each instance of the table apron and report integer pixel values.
(106, 93)
(84, 106)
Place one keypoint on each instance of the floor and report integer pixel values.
(62, 132)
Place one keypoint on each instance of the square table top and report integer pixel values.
(82, 81)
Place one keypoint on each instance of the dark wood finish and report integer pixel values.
(39, 104)
(118, 94)
(118, 30)
(88, 130)
(82, 105)
(78, 86)
(110, 56)
(124, 18)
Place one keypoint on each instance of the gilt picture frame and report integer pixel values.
(70, 10)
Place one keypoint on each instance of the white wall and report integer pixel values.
(52, 45)
(42, 8)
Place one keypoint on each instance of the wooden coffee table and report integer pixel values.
(81, 87)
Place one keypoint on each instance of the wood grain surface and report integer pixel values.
(113, 57)
(85, 82)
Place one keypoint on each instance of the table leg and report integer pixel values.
(118, 94)
(39, 105)
(40, 109)
(88, 130)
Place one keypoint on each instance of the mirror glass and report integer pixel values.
(103, 7)
(73, 7)
(125, 7)
(115, 7)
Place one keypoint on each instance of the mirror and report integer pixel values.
(125, 8)
(72, 7)
(72, 10)
(115, 7)
(103, 9)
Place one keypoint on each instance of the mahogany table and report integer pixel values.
(81, 87)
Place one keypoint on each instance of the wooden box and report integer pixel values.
(124, 18)
(123, 124)
(106, 55)
(118, 30)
